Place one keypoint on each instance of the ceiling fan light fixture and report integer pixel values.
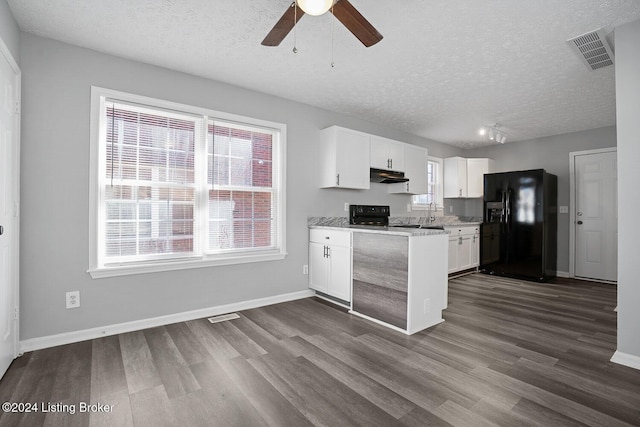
(315, 7)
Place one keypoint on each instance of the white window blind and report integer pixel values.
(175, 185)
(149, 183)
(242, 200)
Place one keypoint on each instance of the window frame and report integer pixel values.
(203, 257)
(439, 205)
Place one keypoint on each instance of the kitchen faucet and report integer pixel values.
(431, 218)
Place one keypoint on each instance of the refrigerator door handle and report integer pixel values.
(508, 211)
(504, 208)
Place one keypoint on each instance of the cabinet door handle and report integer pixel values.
(407, 186)
(460, 240)
(324, 255)
(338, 179)
(391, 160)
(328, 252)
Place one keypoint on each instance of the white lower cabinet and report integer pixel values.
(464, 248)
(330, 262)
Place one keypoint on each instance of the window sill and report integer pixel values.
(130, 269)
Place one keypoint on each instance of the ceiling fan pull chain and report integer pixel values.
(295, 21)
(332, 25)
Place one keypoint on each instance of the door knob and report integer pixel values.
(579, 222)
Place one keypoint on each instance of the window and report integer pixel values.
(175, 186)
(434, 187)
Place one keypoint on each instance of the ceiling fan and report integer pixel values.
(341, 9)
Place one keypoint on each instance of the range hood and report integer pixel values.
(386, 177)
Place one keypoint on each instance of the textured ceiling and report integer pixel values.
(443, 69)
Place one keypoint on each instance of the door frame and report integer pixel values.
(572, 203)
(6, 53)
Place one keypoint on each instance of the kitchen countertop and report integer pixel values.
(342, 223)
(398, 231)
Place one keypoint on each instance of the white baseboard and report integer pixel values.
(564, 274)
(626, 359)
(136, 325)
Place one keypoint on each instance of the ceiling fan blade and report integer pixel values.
(283, 26)
(356, 23)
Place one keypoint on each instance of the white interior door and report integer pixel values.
(596, 216)
(9, 192)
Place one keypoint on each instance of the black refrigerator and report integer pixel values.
(519, 233)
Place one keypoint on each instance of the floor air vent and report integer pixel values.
(223, 317)
(592, 49)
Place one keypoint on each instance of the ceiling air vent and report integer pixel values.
(592, 49)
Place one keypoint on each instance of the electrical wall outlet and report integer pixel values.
(408, 207)
(73, 299)
(305, 269)
(346, 207)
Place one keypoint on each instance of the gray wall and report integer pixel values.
(57, 79)
(552, 154)
(628, 118)
(9, 32)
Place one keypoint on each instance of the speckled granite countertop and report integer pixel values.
(342, 223)
(446, 221)
(464, 224)
(399, 231)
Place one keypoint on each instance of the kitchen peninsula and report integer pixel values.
(391, 275)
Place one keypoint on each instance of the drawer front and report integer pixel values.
(330, 237)
(463, 231)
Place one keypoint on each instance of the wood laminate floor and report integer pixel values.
(510, 353)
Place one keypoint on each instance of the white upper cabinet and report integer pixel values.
(464, 178)
(455, 177)
(344, 158)
(387, 154)
(415, 162)
(476, 168)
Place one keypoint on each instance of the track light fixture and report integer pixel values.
(492, 133)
